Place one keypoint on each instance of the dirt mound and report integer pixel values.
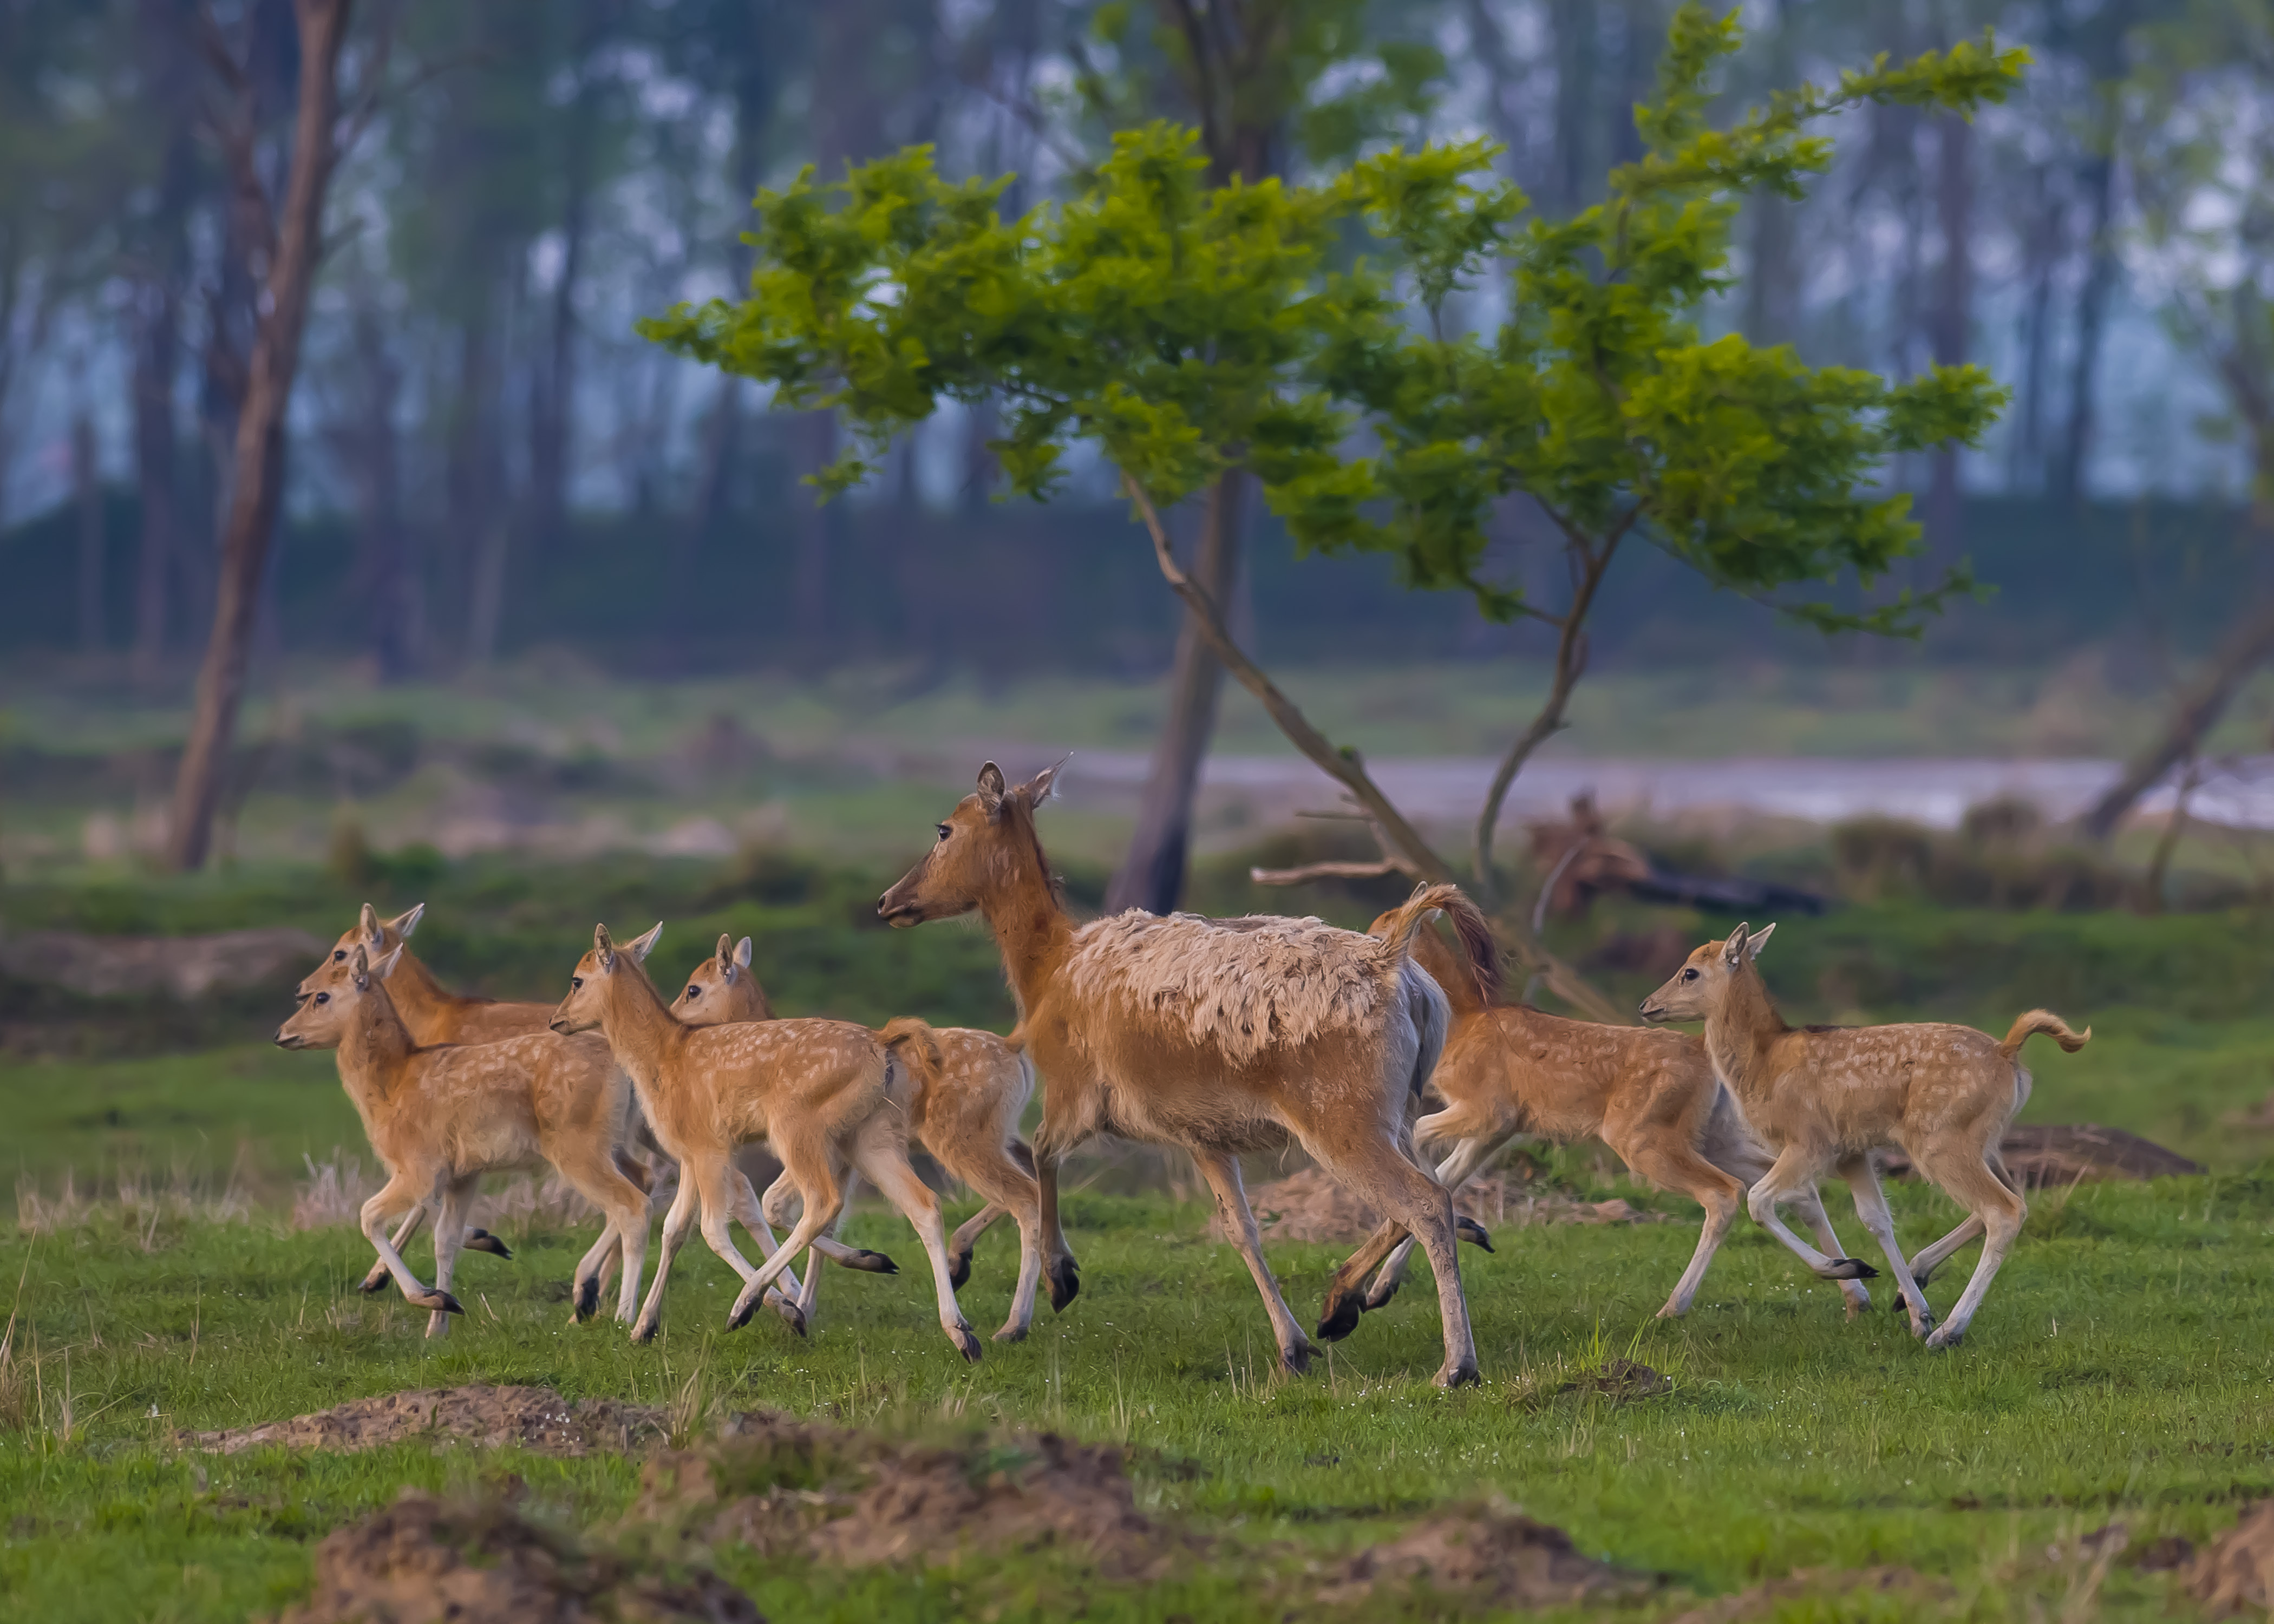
(2236, 1570)
(422, 1561)
(537, 1418)
(1621, 1379)
(858, 1501)
(1764, 1600)
(1491, 1552)
(2040, 1155)
(1309, 1206)
(189, 967)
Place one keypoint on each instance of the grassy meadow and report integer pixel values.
(2121, 1373)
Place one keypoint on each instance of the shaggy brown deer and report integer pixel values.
(965, 1110)
(1221, 1038)
(1510, 1069)
(1825, 1097)
(436, 1015)
(440, 1116)
(824, 1094)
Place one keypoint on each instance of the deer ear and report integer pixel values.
(359, 969)
(605, 946)
(1758, 940)
(1733, 950)
(641, 946)
(384, 967)
(990, 789)
(725, 959)
(403, 924)
(368, 923)
(1039, 789)
(741, 951)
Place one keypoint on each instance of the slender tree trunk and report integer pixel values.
(721, 431)
(2067, 485)
(1773, 280)
(258, 482)
(1152, 876)
(395, 601)
(1577, 28)
(157, 354)
(817, 534)
(87, 491)
(1954, 308)
(471, 482)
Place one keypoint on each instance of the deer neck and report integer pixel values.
(1739, 1033)
(640, 1028)
(374, 1054)
(1031, 930)
(416, 992)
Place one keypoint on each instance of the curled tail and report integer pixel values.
(1397, 930)
(917, 1045)
(2052, 1025)
(1475, 932)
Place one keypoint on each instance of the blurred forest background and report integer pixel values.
(482, 458)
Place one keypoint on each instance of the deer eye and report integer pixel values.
(693, 993)
(946, 830)
(339, 955)
(323, 998)
(576, 983)
(1689, 976)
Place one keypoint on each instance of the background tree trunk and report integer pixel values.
(1952, 312)
(260, 465)
(86, 493)
(1152, 876)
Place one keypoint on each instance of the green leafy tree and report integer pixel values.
(1186, 330)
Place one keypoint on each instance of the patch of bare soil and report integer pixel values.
(858, 1501)
(1765, 1599)
(1310, 1206)
(2259, 1118)
(1490, 1554)
(2236, 1570)
(537, 1418)
(422, 1560)
(2040, 1155)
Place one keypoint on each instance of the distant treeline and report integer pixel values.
(1015, 589)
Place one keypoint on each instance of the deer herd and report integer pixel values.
(1221, 1038)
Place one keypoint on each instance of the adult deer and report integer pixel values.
(1509, 1069)
(1825, 1097)
(824, 1094)
(440, 1116)
(964, 1111)
(434, 1015)
(1220, 1038)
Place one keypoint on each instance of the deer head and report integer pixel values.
(979, 848)
(722, 988)
(375, 935)
(329, 998)
(1697, 988)
(580, 1010)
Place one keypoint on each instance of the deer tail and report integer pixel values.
(2052, 1025)
(918, 1046)
(1398, 933)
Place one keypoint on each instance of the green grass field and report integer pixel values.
(2122, 1372)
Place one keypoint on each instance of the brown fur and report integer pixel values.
(970, 1087)
(1827, 1098)
(1652, 1096)
(1130, 1044)
(821, 1093)
(440, 1115)
(433, 1014)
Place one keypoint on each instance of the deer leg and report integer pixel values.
(882, 1154)
(1935, 1253)
(751, 1214)
(1377, 1174)
(1872, 1208)
(396, 1194)
(449, 1232)
(1221, 1172)
(810, 1163)
(813, 1257)
(676, 1223)
(1965, 1174)
(377, 1279)
(1009, 1188)
(1794, 1171)
(1675, 1166)
(1809, 1205)
(1468, 1157)
(603, 1180)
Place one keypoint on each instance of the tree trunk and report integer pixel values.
(721, 431)
(86, 492)
(156, 355)
(1577, 28)
(260, 462)
(817, 534)
(471, 482)
(2196, 711)
(390, 575)
(1953, 308)
(1152, 876)
(2067, 484)
(1773, 280)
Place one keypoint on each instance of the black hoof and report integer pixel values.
(371, 1285)
(1066, 1284)
(966, 1344)
(441, 1302)
(793, 1316)
(1462, 1375)
(741, 1317)
(959, 1270)
(1339, 1317)
(482, 1240)
(872, 1263)
(1296, 1361)
(1469, 1230)
(588, 1298)
(644, 1333)
(1850, 1268)
(1379, 1297)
